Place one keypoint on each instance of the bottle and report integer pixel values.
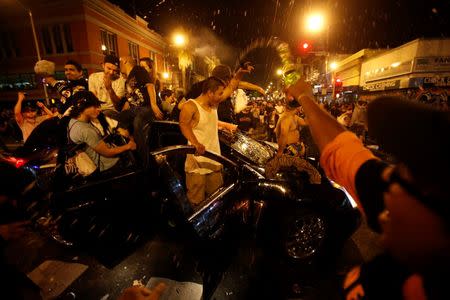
(290, 77)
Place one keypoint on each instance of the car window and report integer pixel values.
(256, 152)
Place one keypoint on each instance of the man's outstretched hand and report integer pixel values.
(245, 68)
(300, 88)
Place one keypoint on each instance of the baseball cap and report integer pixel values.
(112, 60)
(222, 72)
(85, 99)
(29, 106)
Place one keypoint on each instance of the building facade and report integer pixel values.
(417, 70)
(83, 30)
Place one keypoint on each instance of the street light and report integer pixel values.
(165, 75)
(179, 40)
(315, 23)
(280, 72)
(333, 66)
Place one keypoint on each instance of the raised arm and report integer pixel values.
(234, 82)
(324, 127)
(342, 153)
(250, 86)
(47, 111)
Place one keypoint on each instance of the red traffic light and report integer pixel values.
(304, 47)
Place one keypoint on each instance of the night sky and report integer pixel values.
(354, 24)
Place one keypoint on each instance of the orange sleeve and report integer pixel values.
(342, 158)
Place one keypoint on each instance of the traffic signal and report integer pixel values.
(305, 47)
(338, 87)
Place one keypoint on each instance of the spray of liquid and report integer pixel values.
(290, 72)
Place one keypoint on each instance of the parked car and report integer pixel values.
(299, 219)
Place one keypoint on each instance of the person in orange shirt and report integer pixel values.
(409, 203)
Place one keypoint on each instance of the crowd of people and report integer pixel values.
(407, 203)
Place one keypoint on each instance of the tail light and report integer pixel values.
(16, 162)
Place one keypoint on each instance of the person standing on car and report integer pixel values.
(80, 130)
(409, 203)
(27, 118)
(287, 131)
(199, 123)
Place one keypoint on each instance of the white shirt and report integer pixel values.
(97, 86)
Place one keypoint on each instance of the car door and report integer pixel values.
(210, 218)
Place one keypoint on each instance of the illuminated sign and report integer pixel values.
(383, 85)
(435, 63)
(429, 81)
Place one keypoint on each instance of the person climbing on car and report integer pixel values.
(408, 203)
(199, 123)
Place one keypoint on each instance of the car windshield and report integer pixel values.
(256, 152)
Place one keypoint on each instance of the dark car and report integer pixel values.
(287, 212)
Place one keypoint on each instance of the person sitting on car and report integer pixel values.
(80, 130)
(409, 203)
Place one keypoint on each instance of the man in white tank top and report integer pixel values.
(198, 123)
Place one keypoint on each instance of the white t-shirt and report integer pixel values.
(97, 86)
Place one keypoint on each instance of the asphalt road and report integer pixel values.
(233, 270)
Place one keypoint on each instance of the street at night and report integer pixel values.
(188, 150)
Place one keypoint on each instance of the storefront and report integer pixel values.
(417, 70)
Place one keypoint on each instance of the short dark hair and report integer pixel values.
(151, 65)
(212, 84)
(148, 60)
(74, 63)
(223, 72)
(166, 93)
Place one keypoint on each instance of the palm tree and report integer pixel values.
(184, 62)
